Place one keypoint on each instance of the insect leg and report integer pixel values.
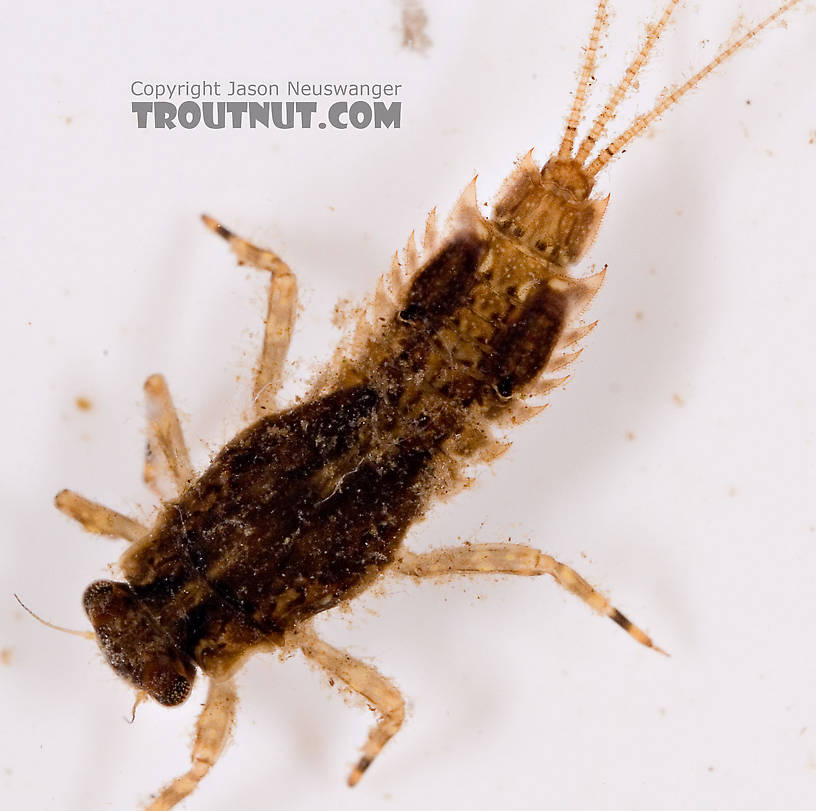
(280, 317)
(165, 441)
(487, 558)
(97, 518)
(212, 731)
(365, 680)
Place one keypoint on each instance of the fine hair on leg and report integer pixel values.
(383, 697)
(97, 518)
(280, 316)
(486, 558)
(166, 449)
(212, 732)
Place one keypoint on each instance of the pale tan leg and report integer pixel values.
(486, 558)
(166, 448)
(96, 518)
(280, 317)
(365, 680)
(212, 732)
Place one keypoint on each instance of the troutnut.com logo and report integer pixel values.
(219, 105)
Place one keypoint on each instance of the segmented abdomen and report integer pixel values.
(480, 321)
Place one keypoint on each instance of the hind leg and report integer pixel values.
(485, 558)
(280, 317)
(365, 680)
(212, 732)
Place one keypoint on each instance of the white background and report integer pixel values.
(675, 471)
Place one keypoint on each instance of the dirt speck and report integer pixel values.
(83, 403)
(6, 656)
(414, 27)
(630, 436)
(678, 400)
(342, 312)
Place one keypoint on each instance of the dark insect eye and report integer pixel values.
(541, 245)
(136, 648)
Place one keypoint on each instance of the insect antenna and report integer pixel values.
(84, 634)
(619, 93)
(671, 97)
(141, 696)
(587, 70)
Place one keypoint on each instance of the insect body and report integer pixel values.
(309, 506)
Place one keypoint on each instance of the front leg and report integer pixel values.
(99, 519)
(506, 558)
(166, 450)
(280, 317)
(212, 732)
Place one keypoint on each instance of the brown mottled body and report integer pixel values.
(308, 506)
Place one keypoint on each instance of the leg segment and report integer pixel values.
(96, 518)
(365, 680)
(165, 441)
(514, 559)
(280, 317)
(212, 731)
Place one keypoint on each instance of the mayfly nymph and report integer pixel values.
(309, 505)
